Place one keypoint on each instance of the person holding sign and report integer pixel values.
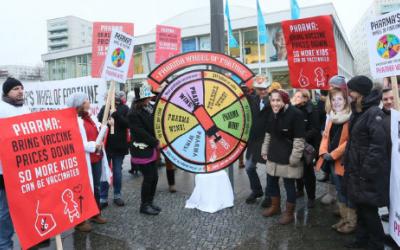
(11, 104)
(366, 163)
(144, 147)
(283, 149)
(94, 151)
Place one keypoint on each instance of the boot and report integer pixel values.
(329, 197)
(172, 189)
(288, 216)
(351, 222)
(266, 202)
(343, 217)
(99, 219)
(84, 227)
(275, 207)
(148, 209)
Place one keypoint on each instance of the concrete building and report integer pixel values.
(23, 73)
(358, 36)
(195, 25)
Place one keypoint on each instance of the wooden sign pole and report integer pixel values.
(59, 245)
(395, 90)
(110, 104)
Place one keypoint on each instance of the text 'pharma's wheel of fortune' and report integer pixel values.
(203, 121)
(388, 46)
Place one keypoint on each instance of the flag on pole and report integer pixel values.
(295, 10)
(231, 39)
(262, 28)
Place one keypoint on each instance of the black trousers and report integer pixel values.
(308, 180)
(150, 180)
(369, 227)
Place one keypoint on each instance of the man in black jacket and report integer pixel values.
(260, 107)
(366, 162)
(116, 149)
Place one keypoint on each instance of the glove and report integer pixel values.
(294, 161)
(328, 157)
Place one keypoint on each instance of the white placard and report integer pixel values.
(394, 211)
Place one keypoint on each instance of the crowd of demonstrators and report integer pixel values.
(116, 148)
(283, 149)
(144, 147)
(89, 129)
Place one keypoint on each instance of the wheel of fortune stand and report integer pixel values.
(202, 120)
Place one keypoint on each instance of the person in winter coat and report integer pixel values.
(11, 104)
(116, 148)
(333, 144)
(94, 152)
(144, 147)
(366, 173)
(313, 137)
(283, 149)
(259, 104)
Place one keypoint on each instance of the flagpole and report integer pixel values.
(259, 46)
(227, 39)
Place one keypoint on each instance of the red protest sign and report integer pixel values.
(45, 173)
(311, 51)
(100, 41)
(168, 42)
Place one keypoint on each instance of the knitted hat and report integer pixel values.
(76, 99)
(284, 95)
(274, 85)
(9, 84)
(360, 84)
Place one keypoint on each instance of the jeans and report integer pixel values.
(337, 180)
(116, 161)
(6, 226)
(251, 170)
(149, 184)
(369, 226)
(308, 180)
(96, 172)
(273, 189)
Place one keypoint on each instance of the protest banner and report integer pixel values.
(52, 95)
(394, 210)
(168, 42)
(118, 58)
(101, 39)
(46, 174)
(311, 51)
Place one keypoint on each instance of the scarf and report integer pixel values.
(16, 103)
(340, 117)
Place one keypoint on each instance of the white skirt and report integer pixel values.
(212, 192)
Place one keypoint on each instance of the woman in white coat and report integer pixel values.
(95, 154)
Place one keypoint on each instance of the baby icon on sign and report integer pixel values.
(303, 80)
(44, 223)
(319, 77)
(71, 207)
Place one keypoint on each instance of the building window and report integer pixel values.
(234, 52)
(188, 44)
(138, 60)
(250, 47)
(205, 43)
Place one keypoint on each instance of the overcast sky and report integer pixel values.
(23, 22)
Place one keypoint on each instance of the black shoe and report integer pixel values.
(155, 207)
(148, 209)
(310, 203)
(253, 198)
(119, 202)
(266, 202)
(385, 217)
(356, 244)
(103, 205)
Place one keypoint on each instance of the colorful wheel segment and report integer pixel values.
(388, 46)
(202, 120)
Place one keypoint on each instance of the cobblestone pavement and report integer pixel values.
(241, 227)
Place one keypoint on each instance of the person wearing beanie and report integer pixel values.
(273, 86)
(116, 148)
(366, 163)
(10, 105)
(313, 137)
(260, 107)
(95, 154)
(284, 124)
